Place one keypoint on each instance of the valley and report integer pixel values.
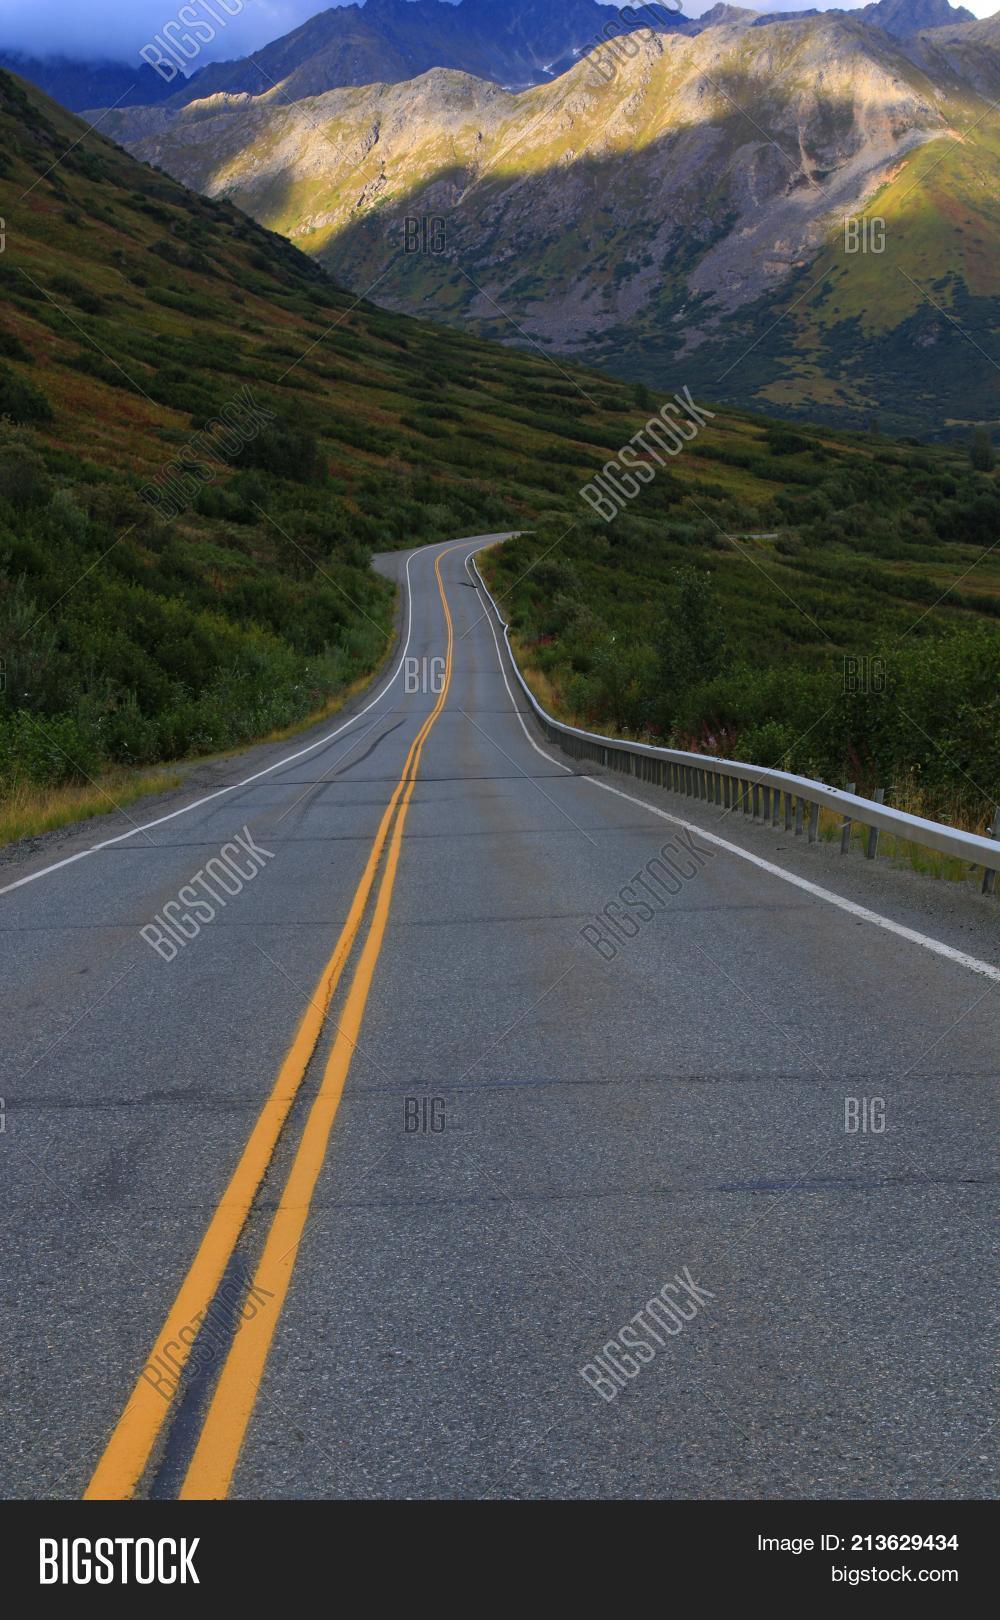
(799, 217)
(232, 591)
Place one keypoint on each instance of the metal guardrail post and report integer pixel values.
(788, 812)
(871, 849)
(990, 877)
(756, 801)
(845, 831)
(799, 813)
(813, 823)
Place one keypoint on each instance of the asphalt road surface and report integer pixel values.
(398, 1179)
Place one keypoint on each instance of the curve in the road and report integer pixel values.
(247, 781)
(605, 1125)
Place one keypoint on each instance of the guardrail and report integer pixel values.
(771, 796)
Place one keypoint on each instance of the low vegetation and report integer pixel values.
(854, 639)
(162, 595)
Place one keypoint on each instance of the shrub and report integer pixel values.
(49, 750)
(981, 450)
(285, 451)
(24, 479)
(11, 348)
(21, 400)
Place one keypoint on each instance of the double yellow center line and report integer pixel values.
(128, 1451)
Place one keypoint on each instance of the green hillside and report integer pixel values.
(907, 336)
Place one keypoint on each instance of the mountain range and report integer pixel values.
(386, 41)
(686, 217)
(516, 45)
(796, 213)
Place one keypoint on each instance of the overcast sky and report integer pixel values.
(119, 28)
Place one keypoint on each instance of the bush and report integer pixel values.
(21, 400)
(24, 479)
(286, 452)
(11, 348)
(89, 302)
(981, 453)
(50, 751)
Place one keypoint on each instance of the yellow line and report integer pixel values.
(125, 1457)
(229, 1413)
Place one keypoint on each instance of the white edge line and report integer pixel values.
(234, 787)
(503, 675)
(937, 946)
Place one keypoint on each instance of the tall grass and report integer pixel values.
(26, 810)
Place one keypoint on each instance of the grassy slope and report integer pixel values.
(131, 311)
(870, 338)
(136, 310)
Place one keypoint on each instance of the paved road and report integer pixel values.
(408, 1225)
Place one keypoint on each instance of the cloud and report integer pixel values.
(116, 30)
